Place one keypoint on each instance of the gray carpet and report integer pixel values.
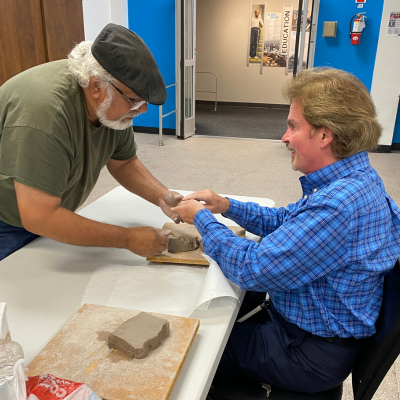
(241, 122)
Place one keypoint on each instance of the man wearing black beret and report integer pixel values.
(60, 124)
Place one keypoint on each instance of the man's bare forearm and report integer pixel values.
(41, 213)
(67, 227)
(136, 178)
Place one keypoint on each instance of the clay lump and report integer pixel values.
(139, 335)
(178, 244)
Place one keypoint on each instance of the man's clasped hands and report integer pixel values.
(190, 205)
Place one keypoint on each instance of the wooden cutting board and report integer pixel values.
(187, 257)
(79, 352)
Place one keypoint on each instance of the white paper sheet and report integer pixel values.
(167, 289)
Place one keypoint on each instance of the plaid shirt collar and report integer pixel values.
(323, 177)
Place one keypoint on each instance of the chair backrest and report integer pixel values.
(378, 353)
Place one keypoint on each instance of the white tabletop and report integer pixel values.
(43, 285)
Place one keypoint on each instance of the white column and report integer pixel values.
(98, 13)
(119, 12)
(385, 89)
(124, 11)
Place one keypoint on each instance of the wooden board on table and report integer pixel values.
(79, 352)
(187, 257)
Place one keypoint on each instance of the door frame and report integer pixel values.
(180, 28)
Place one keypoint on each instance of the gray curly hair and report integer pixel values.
(84, 66)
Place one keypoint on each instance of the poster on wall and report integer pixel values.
(394, 24)
(276, 43)
(292, 41)
(257, 17)
(272, 42)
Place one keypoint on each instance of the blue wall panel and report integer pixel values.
(154, 22)
(396, 135)
(338, 52)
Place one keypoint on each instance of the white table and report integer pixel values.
(44, 282)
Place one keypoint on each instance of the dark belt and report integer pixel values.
(342, 342)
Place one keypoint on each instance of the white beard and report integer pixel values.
(101, 113)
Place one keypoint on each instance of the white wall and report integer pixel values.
(222, 36)
(98, 13)
(385, 88)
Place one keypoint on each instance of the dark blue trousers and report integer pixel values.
(13, 238)
(254, 38)
(271, 350)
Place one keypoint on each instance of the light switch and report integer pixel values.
(329, 29)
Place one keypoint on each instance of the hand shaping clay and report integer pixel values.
(137, 336)
(177, 244)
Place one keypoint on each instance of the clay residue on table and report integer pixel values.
(102, 336)
(117, 356)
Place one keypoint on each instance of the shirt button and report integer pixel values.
(305, 196)
(315, 190)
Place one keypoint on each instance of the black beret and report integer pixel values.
(124, 55)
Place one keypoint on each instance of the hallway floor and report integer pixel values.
(241, 121)
(257, 168)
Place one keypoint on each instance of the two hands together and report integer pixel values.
(193, 203)
(149, 241)
(184, 209)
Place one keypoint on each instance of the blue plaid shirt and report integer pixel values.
(322, 259)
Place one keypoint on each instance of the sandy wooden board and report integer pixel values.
(79, 352)
(187, 257)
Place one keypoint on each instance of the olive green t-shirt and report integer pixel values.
(47, 141)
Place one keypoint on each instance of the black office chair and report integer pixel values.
(376, 356)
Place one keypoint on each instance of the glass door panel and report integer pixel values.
(189, 99)
(189, 66)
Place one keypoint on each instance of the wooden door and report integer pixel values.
(62, 26)
(21, 37)
(33, 32)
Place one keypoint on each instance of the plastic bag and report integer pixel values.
(48, 387)
(19, 379)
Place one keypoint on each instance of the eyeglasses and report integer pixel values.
(135, 105)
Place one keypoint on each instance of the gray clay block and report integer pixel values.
(178, 244)
(137, 336)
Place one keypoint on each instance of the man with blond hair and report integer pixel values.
(323, 259)
(60, 124)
